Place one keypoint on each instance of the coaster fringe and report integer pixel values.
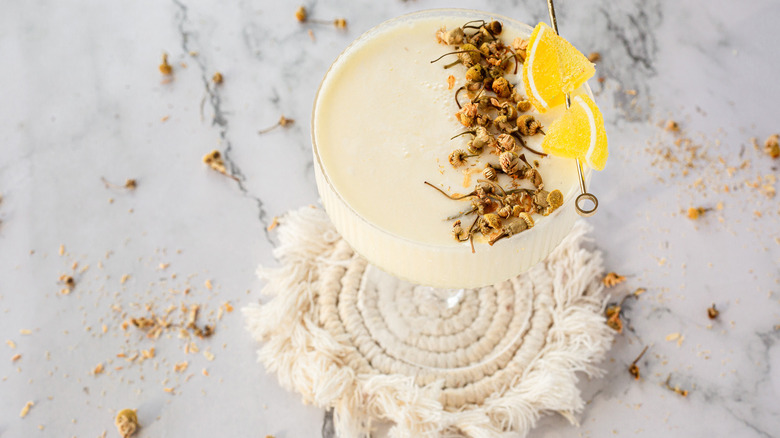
(308, 359)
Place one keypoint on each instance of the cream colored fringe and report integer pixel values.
(308, 359)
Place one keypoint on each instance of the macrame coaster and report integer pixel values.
(488, 366)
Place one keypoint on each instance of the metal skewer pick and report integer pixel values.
(584, 195)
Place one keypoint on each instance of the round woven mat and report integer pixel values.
(477, 346)
(346, 335)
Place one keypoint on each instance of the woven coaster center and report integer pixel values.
(474, 340)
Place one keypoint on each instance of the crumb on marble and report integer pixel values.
(594, 57)
(26, 409)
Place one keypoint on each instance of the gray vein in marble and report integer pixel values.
(220, 116)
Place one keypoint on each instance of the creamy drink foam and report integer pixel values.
(382, 124)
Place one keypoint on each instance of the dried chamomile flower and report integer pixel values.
(450, 37)
(528, 125)
(507, 109)
(340, 23)
(503, 124)
(594, 57)
(458, 157)
(469, 55)
(217, 78)
(520, 46)
(634, 368)
(475, 73)
(301, 14)
(523, 106)
(612, 279)
(509, 229)
(481, 139)
(675, 388)
(283, 122)
(467, 114)
(534, 176)
(529, 221)
(126, 422)
(483, 190)
(613, 318)
(494, 27)
(215, 161)
(506, 143)
(502, 88)
(540, 199)
(68, 280)
(672, 126)
(772, 146)
(712, 312)
(510, 163)
(696, 212)
(457, 231)
(504, 212)
(480, 205)
(165, 68)
(130, 184)
(489, 173)
(554, 200)
(492, 220)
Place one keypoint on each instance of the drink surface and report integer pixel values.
(382, 125)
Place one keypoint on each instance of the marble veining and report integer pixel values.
(83, 99)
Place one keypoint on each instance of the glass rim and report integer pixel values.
(570, 197)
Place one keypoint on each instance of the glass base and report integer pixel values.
(443, 329)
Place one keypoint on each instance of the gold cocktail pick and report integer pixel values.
(584, 195)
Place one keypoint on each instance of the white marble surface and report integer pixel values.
(82, 99)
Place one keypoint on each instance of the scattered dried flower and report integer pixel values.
(712, 312)
(672, 126)
(340, 23)
(450, 82)
(126, 422)
(612, 279)
(613, 318)
(528, 125)
(165, 68)
(772, 146)
(594, 57)
(301, 14)
(283, 122)
(634, 368)
(523, 106)
(217, 78)
(695, 213)
(215, 161)
(68, 280)
(130, 184)
(676, 388)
